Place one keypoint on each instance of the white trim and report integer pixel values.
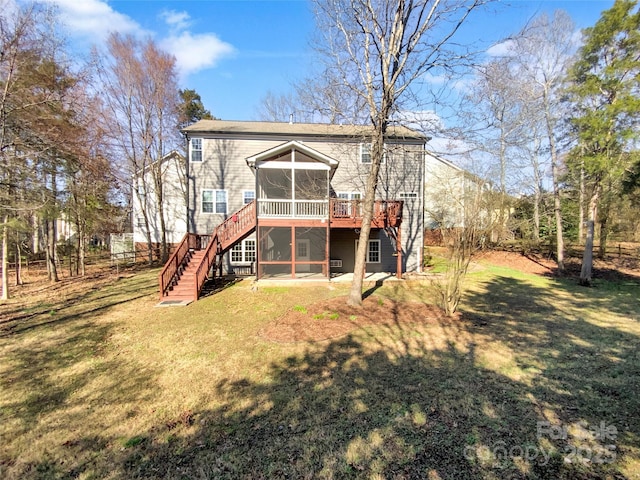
(379, 251)
(291, 165)
(192, 150)
(362, 147)
(349, 195)
(244, 199)
(409, 195)
(254, 160)
(243, 253)
(214, 201)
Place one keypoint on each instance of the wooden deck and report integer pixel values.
(188, 268)
(348, 213)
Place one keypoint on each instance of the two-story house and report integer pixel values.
(285, 200)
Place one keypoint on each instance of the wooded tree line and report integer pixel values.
(73, 135)
(552, 119)
(559, 117)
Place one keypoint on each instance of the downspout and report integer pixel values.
(187, 185)
(420, 216)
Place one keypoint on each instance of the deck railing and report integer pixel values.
(293, 208)
(385, 212)
(202, 272)
(338, 209)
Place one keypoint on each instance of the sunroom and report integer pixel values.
(292, 195)
(292, 181)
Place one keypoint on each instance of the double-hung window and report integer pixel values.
(244, 252)
(365, 153)
(214, 201)
(373, 250)
(248, 196)
(196, 150)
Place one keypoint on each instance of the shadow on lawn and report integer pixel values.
(391, 403)
(56, 377)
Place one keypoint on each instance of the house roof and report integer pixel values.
(304, 129)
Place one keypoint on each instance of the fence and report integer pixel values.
(122, 248)
(137, 254)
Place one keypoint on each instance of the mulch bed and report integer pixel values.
(331, 319)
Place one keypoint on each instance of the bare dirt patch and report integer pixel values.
(613, 268)
(532, 264)
(333, 318)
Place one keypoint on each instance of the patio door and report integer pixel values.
(303, 254)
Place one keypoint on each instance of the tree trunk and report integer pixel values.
(536, 216)
(51, 251)
(581, 206)
(36, 234)
(558, 215)
(5, 259)
(555, 178)
(18, 264)
(604, 234)
(587, 257)
(377, 151)
(82, 245)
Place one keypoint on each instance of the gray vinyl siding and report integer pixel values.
(224, 167)
(343, 247)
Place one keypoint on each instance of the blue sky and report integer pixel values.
(232, 52)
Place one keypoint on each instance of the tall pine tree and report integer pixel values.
(605, 83)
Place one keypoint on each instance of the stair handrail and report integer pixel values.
(236, 225)
(205, 264)
(170, 270)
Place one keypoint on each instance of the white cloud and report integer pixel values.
(195, 52)
(502, 49)
(426, 121)
(177, 20)
(95, 19)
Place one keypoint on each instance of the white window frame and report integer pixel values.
(193, 150)
(369, 252)
(344, 208)
(245, 253)
(408, 195)
(214, 201)
(244, 196)
(349, 195)
(365, 149)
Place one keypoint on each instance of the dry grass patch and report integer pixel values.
(109, 386)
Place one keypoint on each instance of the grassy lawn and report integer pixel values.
(539, 378)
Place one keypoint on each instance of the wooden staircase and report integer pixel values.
(197, 256)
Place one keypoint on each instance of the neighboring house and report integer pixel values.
(284, 198)
(173, 171)
(452, 195)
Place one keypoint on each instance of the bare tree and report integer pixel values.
(543, 52)
(143, 100)
(497, 123)
(376, 50)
